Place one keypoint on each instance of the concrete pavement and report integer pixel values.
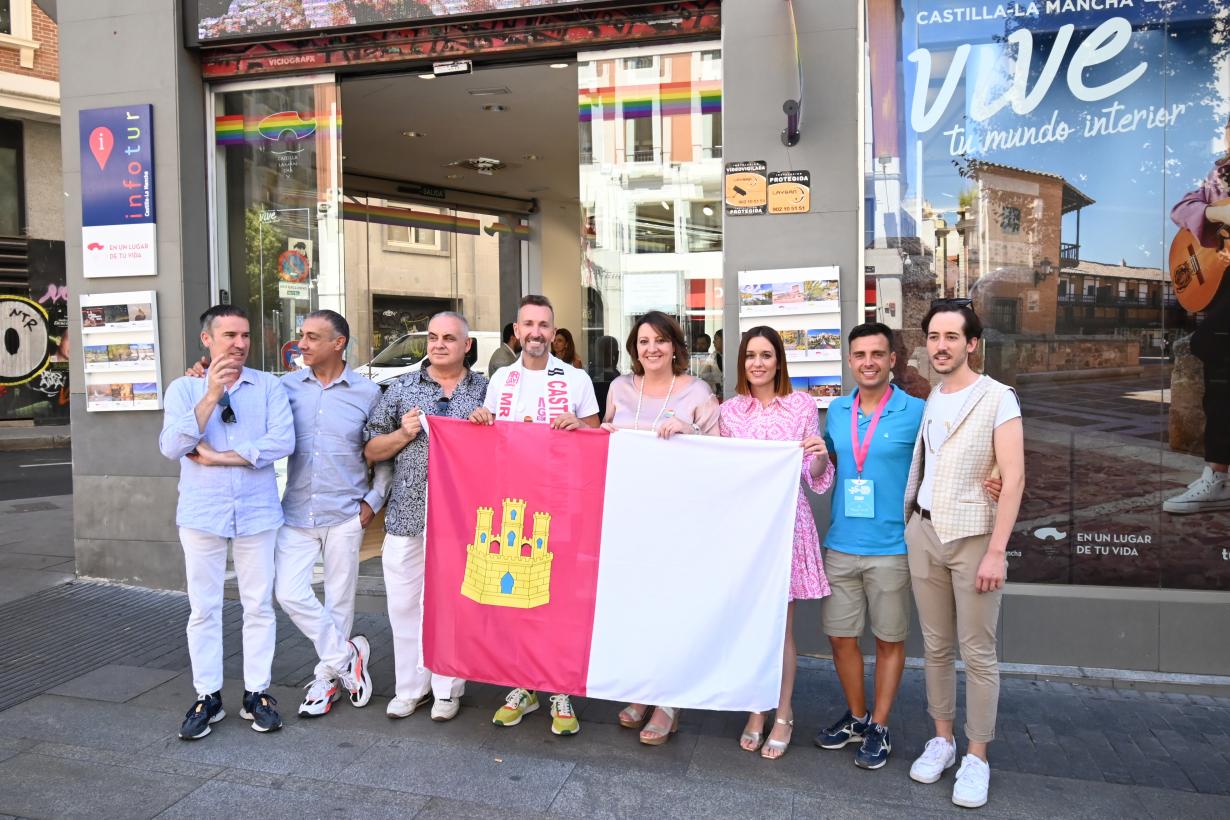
(34, 438)
(94, 681)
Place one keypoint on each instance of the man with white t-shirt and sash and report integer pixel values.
(539, 388)
(957, 538)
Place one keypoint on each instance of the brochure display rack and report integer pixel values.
(119, 340)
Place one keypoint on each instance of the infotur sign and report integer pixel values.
(117, 192)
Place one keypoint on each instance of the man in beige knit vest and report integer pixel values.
(957, 536)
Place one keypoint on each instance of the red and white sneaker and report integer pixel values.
(356, 678)
(322, 692)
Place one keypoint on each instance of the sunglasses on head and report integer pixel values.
(952, 303)
(228, 412)
(442, 405)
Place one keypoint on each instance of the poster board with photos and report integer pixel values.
(804, 306)
(119, 342)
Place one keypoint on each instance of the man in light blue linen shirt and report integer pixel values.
(328, 504)
(227, 430)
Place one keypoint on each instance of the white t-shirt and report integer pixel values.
(532, 400)
(941, 414)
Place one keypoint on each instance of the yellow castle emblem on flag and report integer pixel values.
(503, 568)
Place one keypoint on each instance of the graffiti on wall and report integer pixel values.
(34, 340)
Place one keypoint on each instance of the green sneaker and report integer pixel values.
(518, 704)
(563, 719)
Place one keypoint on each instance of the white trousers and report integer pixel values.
(205, 565)
(328, 626)
(404, 559)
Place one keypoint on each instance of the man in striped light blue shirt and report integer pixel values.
(227, 430)
(328, 504)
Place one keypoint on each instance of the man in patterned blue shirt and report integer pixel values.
(442, 387)
(227, 430)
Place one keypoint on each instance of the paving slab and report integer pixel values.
(441, 808)
(118, 726)
(517, 782)
(37, 786)
(472, 727)
(113, 683)
(596, 743)
(316, 754)
(612, 794)
(129, 760)
(230, 800)
(16, 584)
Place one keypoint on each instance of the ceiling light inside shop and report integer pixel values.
(427, 76)
(707, 211)
(531, 157)
(413, 134)
(494, 107)
(488, 92)
(559, 65)
(666, 206)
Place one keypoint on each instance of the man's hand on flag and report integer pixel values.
(565, 421)
(412, 423)
(482, 416)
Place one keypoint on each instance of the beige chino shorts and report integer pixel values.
(875, 586)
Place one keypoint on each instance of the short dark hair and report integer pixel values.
(781, 384)
(507, 333)
(971, 326)
(669, 329)
(871, 329)
(217, 312)
(537, 300)
(336, 320)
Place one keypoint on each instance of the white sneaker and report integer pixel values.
(322, 692)
(356, 677)
(972, 783)
(405, 707)
(1209, 493)
(939, 754)
(445, 709)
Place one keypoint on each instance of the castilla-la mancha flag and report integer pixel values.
(609, 565)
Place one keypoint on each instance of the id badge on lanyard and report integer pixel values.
(860, 497)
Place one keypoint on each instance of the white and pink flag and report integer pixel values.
(614, 566)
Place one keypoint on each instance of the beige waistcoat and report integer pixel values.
(960, 505)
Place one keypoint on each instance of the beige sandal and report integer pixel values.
(655, 734)
(779, 746)
(633, 715)
(753, 738)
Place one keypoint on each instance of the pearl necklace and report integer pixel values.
(636, 424)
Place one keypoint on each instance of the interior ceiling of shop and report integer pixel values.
(540, 120)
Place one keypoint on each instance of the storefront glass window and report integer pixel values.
(651, 170)
(1055, 162)
(277, 216)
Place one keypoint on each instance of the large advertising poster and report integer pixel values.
(219, 20)
(1066, 167)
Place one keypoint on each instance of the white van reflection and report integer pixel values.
(407, 353)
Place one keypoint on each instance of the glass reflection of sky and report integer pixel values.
(1134, 177)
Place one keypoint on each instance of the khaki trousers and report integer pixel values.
(952, 612)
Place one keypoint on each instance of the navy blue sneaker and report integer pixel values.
(877, 744)
(206, 710)
(258, 708)
(846, 730)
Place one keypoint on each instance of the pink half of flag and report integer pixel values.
(618, 566)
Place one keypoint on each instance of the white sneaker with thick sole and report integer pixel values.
(322, 693)
(1209, 493)
(445, 709)
(355, 676)
(939, 754)
(405, 707)
(972, 783)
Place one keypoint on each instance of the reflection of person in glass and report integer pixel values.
(711, 370)
(1206, 211)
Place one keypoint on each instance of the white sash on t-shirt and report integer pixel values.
(558, 398)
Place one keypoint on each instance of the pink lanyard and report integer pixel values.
(861, 448)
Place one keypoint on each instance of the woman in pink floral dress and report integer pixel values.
(767, 408)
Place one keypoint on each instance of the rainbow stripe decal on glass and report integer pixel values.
(232, 129)
(521, 231)
(405, 218)
(636, 101)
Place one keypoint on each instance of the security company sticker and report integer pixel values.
(746, 192)
(789, 192)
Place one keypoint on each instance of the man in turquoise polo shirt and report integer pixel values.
(865, 555)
